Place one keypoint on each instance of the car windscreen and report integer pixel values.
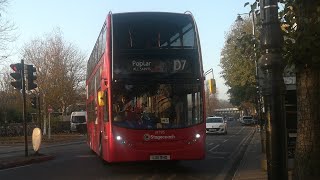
(78, 119)
(214, 120)
(247, 118)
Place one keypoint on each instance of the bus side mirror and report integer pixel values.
(101, 98)
(212, 86)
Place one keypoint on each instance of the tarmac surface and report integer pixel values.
(12, 149)
(249, 168)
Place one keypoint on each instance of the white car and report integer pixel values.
(247, 120)
(216, 124)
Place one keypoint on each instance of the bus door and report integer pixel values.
(105, 123)
(103, 118)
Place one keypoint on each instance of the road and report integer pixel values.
(76, 161)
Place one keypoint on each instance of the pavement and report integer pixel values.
(250, 166)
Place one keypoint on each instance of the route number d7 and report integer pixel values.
(179, 65)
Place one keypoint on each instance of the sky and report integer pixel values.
(80, 22)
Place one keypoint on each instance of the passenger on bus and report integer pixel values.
(178, 105)
(124, 105)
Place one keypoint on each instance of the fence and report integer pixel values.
(16, 129)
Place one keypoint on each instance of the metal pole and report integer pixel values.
(259, 110)
(273, 90)
(39, 111)
(24, 112)
(44, 125)
(261, 124)
(49, 127)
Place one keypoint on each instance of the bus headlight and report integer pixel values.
(118, 138)
(198, 136)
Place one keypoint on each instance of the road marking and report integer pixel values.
(240, 144)
(214, 147)
(9, 169)
(225, 140)
(86, 156)
(220, 153)
(240, 130)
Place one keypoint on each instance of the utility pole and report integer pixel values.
(39, 112)
(24, 110)
(19, 84)
(273, 90)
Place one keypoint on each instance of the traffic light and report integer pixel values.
(31, 77)
(34, 102)
(212, 86)
(17, 75)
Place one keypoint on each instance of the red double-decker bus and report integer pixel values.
(145, 89)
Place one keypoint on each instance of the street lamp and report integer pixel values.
(240, 19)
(259, 98)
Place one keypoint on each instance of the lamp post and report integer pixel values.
(258, 98)
(273, 90)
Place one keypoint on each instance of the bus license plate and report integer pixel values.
(159, 157)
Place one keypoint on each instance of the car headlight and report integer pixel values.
(221, 126)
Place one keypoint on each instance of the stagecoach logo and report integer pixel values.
(148, 137)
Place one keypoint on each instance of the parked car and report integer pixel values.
(216, 125)
(231, 119)
(247, 120)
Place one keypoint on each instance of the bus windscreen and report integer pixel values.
(159, 31)
(152, 105)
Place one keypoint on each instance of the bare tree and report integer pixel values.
(212, 102)
(60, 69)
(10, 98)
(7, 29)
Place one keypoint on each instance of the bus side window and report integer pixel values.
(106, 107)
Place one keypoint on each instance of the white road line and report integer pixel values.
(214, 147)
(9, 169)
(240, 130)
(220, 153)
(211, 144)
(225, 140)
